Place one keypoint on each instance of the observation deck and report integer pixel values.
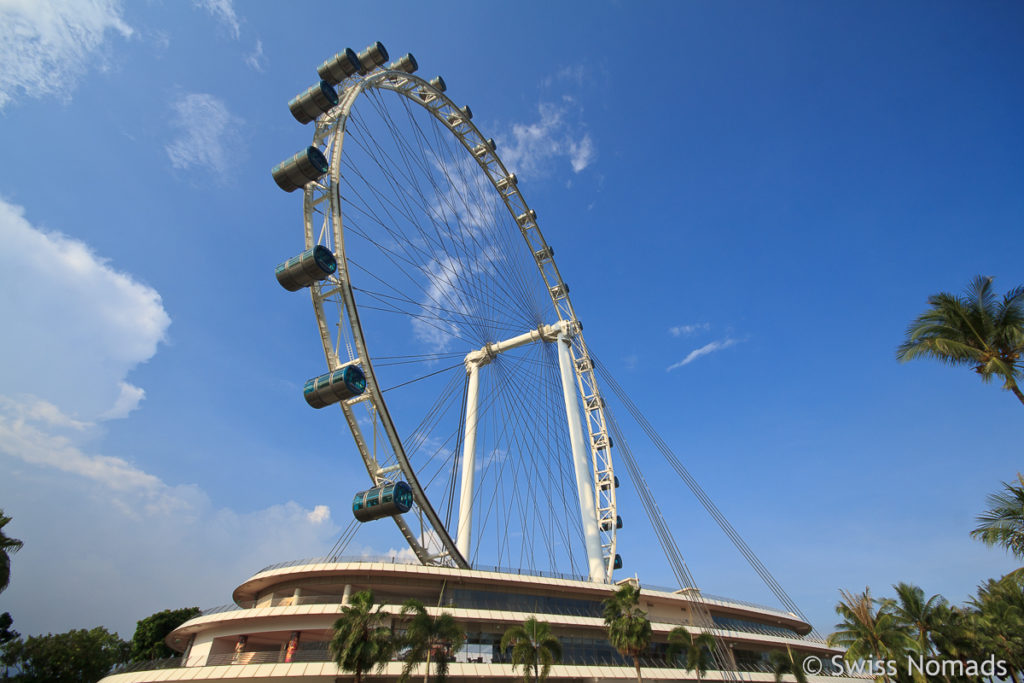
(280, 623)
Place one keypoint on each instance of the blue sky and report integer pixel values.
(750, 202)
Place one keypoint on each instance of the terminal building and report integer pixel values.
(280, 623)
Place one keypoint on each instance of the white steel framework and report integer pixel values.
(343, 338)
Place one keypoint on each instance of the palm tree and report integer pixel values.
(629, 631)
(533, 645)
(918, 616)
(1003, 522)
(921, 616)
(867, 634)
(1000, 621)
(359, 642)
(430, 637)
(975, 330)
(8, 546)
(785, 663)
(696, 650)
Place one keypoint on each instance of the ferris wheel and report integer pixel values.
(451, 343)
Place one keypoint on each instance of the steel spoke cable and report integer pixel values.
(483, 186)
(515, 414)
(699, 493)
(459, 228)
(411, 216)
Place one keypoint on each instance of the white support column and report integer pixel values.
(465, 530)
(584, 481)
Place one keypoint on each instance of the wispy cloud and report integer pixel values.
(703, 351)
(255, 59)
(687, 330)
(574, 74)
(224, 12)
(206, 133)
(532, 149)
(46, 45)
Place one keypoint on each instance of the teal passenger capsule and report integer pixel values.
(373, 56)
(407, 64)
(300, 169)
(339, 385)
(618, 562)
(606, 525)
(382, 501)
(340, 66)
(317, 99)
(308, 267)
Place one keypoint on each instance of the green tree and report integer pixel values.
(786, 663)
(80, 656)
(999, 627)
(916, 614)
(428, 637)
(867, 634)
(359, 642)
(533, 647)
(1003, 522)
(8, 546)
(148, 641)
(629, 630)
(695, 650)
(975, 330)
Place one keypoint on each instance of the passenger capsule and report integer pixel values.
(317, 100)
(308, 267)
(437, 83)
(602, 441)
(560, 291)
(505, 183)
(306, 166)
(527, 217)
(342, 384)
(382, 501)
(340, 66)
(606, 525)
(606, 484)
(373, 56)
(618, 562)
(484, 148)
(544, 254)
(460, 115)
(407, 64)
(584, 364)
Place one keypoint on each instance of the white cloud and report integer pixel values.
(581, 153)
(207, 134)
(76, 325)
(703, 351)
(224, 12)
(687, 330)
(319, 514)
(30, 430)
(47, 45)
(255, 59)
(126, 402)
(73, 328)
(530, 149)
(138, 550)
(573, 74)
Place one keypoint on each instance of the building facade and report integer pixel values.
(279, 626)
